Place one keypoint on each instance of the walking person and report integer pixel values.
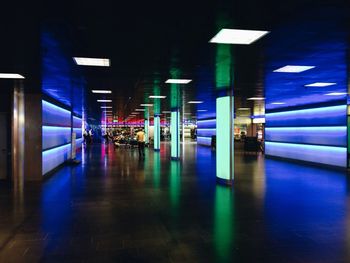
(140, 137)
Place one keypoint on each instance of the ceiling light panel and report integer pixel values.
(178, 81)
(195, 102)
(104, 100)
(293, 69)
(97, 62)
(11, 76)
(256, 98)
(237, 36)
(157, 97)
(101, 91)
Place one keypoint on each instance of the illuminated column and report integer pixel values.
(224, 139)
(147, 130)
(175, 134)
(156, 143)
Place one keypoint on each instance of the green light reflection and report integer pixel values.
(175, 184)
(156, 169)
(224, 225)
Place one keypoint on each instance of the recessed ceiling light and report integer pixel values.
(320, 84)
(202, 110)
(237, 36)
(157, 97)
(293, 69)
(106, 107)
(195, 102)
(178, 81)
(146, 105)
(256, 98)
(336, 93)
(11, 76)
(243, 109)
(104, 100)
(98, 62)
(278, 103)
(140, 110)
(101, 91)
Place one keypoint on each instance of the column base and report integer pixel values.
(224, 181)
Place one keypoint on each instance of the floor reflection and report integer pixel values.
(115, 207)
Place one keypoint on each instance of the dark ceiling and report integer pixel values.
(151, 41)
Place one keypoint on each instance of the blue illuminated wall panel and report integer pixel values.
(317, 135)
(308, 123)
(323, 116)
(205, 129)
(57, 135)
(54, 157)
(55, 116)
(335, 156)
(335, 136)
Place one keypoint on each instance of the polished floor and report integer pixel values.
(114, 207)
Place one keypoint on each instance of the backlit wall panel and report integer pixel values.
(205, 130)
(335, 156)
(317, 135)
(323, 116)
(335, 136)
(204, 141)
(54, 157)
(55, 116)
(55, 136)
(78, 132)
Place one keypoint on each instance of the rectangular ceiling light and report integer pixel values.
(195, 102)
(156, 97)
(101, 91)
(320, 84)
(293, 69)
(106, 107)
(278, 103)
(98, 62)
(336, 94)
(140, 110)
(104, 100)
(146, 105)
(11, 76)
(178, 81)
(256, 98)
(237, 36)
(202, 110)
